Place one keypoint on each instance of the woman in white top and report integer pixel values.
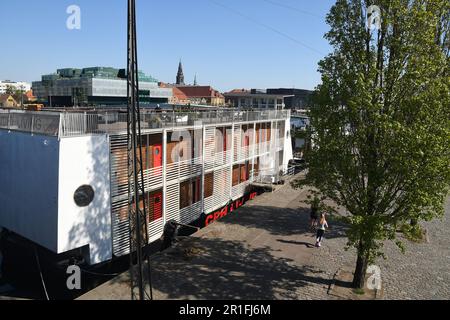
(321, 229)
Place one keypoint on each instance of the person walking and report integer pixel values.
(314, 216)
(323, 224)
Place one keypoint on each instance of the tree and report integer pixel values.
(380, 120)
(18, 95)
(10, 90)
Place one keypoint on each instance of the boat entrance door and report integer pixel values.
(157, 158)
(156, 203)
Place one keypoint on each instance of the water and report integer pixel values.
(299, 143)
(22, 279)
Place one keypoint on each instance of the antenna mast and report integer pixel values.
(141, 288)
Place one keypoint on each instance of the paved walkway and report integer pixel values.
(265, 251)
(260, 251)
(422, 273)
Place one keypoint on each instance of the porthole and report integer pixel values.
(157, 151)
(84, 196)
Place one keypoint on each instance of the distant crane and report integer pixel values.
(141, 288)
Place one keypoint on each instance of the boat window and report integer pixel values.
(84, 196)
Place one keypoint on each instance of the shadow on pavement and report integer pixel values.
(306, 244)
(282, 221)
(216, 269)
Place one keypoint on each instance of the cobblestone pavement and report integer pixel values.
(422, 273)
(260, 251)
(317, 279)
(264, 250)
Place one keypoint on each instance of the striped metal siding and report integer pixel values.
(219, 163)
(119, 194)
(221, 193)
(173, 202)
(191, 213)
(183, 169)
(210, 147)
(175, 173)
(237, 144)
(153, 180)
(239, 190)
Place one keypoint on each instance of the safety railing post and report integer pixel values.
(60, 130)
(173, 119)
(32, 124)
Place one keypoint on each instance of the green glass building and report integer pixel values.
(95, 86)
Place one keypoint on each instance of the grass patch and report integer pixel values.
(300, 134)
(413, 233)
(359, 291)
(192, 252)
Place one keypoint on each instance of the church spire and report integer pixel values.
(195, 80)
(180, 75)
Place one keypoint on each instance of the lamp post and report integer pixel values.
(22, 87)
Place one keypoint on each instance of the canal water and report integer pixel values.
(299, 143)
(22, 271)
(22, 275)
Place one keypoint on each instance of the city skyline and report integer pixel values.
(280, 48)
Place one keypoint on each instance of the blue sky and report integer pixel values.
(227, 43)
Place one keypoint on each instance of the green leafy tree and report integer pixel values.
(18, 95)
(10, 90)
(380, 120)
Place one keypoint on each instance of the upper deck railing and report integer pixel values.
(70, 124)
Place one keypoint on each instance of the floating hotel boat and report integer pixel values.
(64, 179)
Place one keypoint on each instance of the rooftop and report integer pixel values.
(200, 91)
(70, 124)
(6, 97)
(94, 72)
(255, 93)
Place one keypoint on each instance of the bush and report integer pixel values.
(414, 233)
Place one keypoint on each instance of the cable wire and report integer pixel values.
(40, 272)
(293, 8)
(281, 33)
(101, 274)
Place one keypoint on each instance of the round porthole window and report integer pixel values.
(157, 152)
(84, 196)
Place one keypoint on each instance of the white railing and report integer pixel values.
(272, 176)
(31, 122)
(290, 171)
(69, 124)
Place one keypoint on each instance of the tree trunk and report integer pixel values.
(359, 277)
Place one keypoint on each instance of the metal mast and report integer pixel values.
(141, 288)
